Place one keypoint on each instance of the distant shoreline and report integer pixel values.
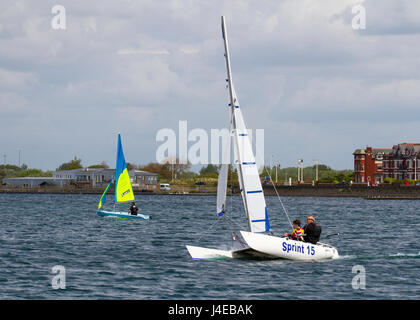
(370, 193)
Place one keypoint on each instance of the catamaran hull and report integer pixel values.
(213, 254)
(122, 215)
(289, 249)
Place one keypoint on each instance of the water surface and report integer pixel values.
(108, 258)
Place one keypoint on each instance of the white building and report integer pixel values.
(89, 177)
(35, 182)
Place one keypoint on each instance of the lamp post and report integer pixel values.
(316, 171)
(271, 166)
(300, 170)
(415, 171)
(298, 173)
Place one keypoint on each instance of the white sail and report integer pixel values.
(252, 190)
(249, 179)
(221, 189)
(222, 181)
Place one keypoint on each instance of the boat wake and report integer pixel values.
(399, 255)
(404, 255)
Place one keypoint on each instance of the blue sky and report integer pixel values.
(318, 88)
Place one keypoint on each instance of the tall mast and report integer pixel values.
(233, 104)
(229, 72)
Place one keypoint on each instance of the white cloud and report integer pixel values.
(189, 50)
(142, 51)
(16, 79)
(140, 115)
(302, 73)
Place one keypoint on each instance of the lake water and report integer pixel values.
(107, 258)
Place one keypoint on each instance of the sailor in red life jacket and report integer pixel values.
(297, 233)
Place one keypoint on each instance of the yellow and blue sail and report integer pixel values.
(103, 198)
(123, 188)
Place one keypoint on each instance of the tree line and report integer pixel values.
(325, 174)
(172, 169)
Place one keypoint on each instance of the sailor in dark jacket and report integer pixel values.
(312, 230)
(133, 209)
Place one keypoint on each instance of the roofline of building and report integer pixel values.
(40, 178)
(103, 169)
(359, 151)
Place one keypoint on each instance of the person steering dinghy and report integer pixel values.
(133, 209)
(312, 230)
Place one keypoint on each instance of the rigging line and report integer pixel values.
(229, 225)
(209, 229)
(231, 222)
(223, 218)
(235, 237)
(278, 196)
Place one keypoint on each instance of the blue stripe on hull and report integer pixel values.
(121, 215)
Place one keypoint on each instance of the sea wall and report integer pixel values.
(359, 191)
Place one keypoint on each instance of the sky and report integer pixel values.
(317, 87)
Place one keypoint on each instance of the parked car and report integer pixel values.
(165, 186)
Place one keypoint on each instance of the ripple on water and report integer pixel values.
(122, 259)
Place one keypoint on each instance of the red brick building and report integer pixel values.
(373, 165)
(368, 165)
(402, 162)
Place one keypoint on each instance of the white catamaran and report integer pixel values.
(258, 241)
(123, 189)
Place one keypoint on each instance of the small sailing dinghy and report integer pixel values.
(258, 241)
(123, 189)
